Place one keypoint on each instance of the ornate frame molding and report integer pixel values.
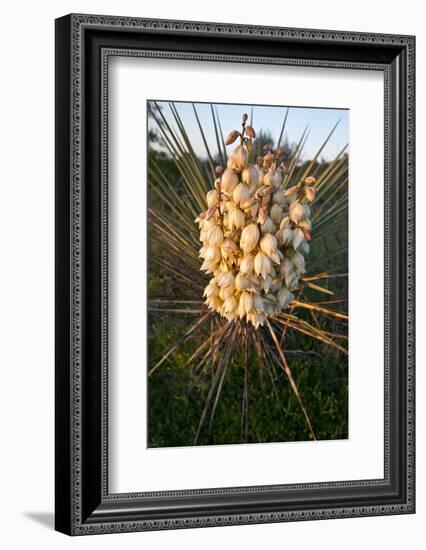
(72, 47)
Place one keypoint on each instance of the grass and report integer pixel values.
(177, 395)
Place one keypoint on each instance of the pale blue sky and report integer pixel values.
(267, 118)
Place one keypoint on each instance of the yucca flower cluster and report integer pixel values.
(255, 233)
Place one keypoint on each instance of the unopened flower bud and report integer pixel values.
(232, 137)
(307, 234)
(310, 194)
(267, 159)
(250, 132)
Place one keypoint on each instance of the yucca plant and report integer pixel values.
(251, 290)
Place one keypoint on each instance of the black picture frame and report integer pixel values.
(83, 45)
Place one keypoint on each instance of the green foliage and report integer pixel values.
(177, 395)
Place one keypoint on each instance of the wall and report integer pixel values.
(26, 302)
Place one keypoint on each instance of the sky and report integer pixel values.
(267, 118)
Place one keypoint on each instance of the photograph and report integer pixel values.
(210, 297)
(248, 273)
(234, 271)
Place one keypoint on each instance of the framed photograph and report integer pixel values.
(234, 274)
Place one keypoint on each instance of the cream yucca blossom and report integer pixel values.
(310, 194)
(298, 262)
(226, 279)
(250, 176)
(241, 194)
(297, 212)
(266, 284)
(212, 198)
(247, 265)
(279, 197)
(298, 237)
(226, 292)
(230, 305)
(229, 250)
(211, 289)
(269, 245)
(262, 264)
(285, 235)
(273, 177)
(276, 213)
(236, 218)
(255, 235)
(245, 304)
(240, 157)
(249, 238)
(267, 226)
(229, 181)
(243, 282)
(213, 254)
(214, 236)
(284, 297)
